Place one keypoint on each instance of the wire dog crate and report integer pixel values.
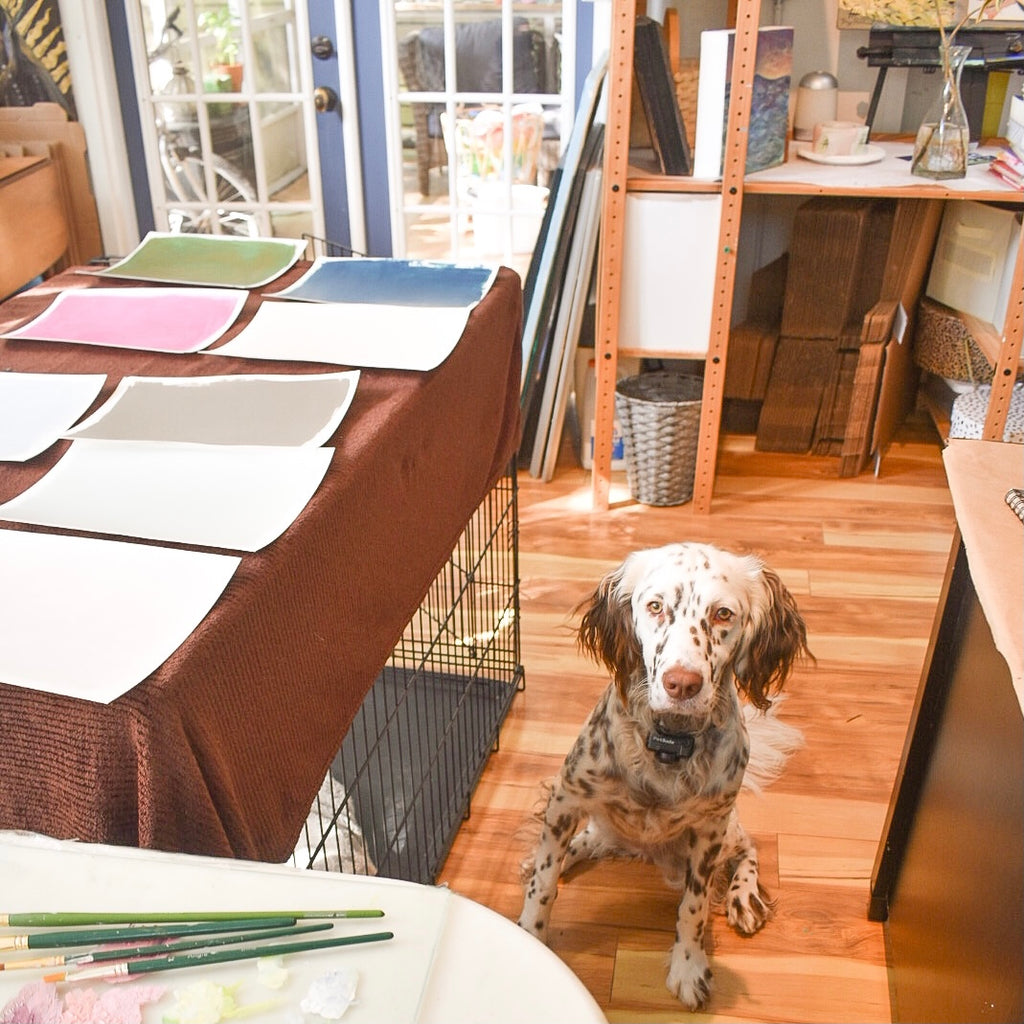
(401, 783)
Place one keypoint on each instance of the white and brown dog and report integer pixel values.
(686, 630)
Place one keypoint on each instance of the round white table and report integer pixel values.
(451, 960)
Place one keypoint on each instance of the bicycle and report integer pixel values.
(184, 168)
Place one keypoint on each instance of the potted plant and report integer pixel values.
(223, 24)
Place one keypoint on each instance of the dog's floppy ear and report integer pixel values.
(606, 630)
(778, 637)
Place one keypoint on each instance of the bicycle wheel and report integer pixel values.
(189, 184)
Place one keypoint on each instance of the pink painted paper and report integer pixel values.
(150, 319)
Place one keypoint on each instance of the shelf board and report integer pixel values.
(817, 179)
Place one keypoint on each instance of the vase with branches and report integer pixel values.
(943, 140)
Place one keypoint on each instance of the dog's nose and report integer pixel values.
(681, 683)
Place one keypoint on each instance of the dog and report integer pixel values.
(685, 630)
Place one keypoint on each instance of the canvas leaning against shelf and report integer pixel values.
(769, 102)
(543, 285)
(579, 277)
(652, 72)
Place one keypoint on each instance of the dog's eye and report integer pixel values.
(724, 615)
(655, 607)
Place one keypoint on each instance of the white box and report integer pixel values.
(585, 379)
(669, 260)
(974, 257)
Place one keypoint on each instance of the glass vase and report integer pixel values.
(940, 149)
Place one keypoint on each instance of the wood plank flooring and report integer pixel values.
(864, 558)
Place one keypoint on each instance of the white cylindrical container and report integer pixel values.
(815, 102)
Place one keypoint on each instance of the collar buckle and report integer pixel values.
(670, 747)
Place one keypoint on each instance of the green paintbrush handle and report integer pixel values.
(170, 963)
(177, 945)
(76, 920)
(93, 936)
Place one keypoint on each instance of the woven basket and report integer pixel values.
(660, 417)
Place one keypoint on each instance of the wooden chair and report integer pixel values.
(477, 69)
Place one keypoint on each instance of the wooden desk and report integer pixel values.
(33, 229)
(222, 750)
(949, 874)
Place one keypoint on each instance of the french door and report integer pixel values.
(399, 127)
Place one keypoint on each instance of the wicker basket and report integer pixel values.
(660, 417)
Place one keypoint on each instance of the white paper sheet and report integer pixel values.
(252, 409)
(237, 497)
(350, 334)
(91, 618)
(37, 408)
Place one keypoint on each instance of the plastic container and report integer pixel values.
(490, 224)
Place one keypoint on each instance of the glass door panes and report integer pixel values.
(480, 115)
(228, 122)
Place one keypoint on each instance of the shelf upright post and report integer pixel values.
(1009, 354)
(734, 162)
(618, 91)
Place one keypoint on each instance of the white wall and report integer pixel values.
(92, 71)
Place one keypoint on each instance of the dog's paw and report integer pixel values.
(748, 907)
(689, 977)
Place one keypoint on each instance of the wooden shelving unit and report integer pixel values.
(619, 180)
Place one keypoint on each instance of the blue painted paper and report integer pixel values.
(425, 283)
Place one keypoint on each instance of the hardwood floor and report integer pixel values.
(864, 558)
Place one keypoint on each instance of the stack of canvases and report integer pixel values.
(837, 260)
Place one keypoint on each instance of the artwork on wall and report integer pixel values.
(864, 14)
(33, 56)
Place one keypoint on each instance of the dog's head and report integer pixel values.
(685, 619)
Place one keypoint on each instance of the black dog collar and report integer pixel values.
(670, 747)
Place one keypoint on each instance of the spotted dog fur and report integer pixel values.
(685, 630)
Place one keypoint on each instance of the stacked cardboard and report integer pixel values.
(837, 260)
(752, 343)
(887, 379)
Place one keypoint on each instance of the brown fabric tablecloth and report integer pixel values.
(222, 750)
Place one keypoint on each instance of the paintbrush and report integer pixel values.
(92, 936)
(108, 972)
(75, 919)
(174, 945)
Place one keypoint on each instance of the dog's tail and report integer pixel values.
(772, 743)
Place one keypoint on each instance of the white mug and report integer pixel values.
(840, 138)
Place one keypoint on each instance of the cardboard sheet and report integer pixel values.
(226, 261)
(391, 282)
(246, 409)
(37, 408)
(238, 497)
(91, 618)
(149, 319)
(350, 334)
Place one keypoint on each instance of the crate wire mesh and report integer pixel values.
(401, 783)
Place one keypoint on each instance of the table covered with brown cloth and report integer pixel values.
(221, 751)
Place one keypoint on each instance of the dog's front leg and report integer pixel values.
(689, 976)
(748, 906)
(561, 818)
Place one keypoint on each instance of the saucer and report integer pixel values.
(871, 155)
